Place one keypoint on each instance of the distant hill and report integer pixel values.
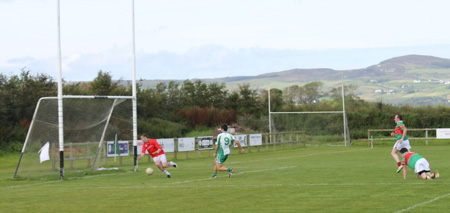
(410, 79)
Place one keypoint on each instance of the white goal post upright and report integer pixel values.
(346, 130)
(60, 92)
(134, 100)
(344, 114)
(60, 100)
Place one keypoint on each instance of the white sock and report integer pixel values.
(172, 163)
(167, 173)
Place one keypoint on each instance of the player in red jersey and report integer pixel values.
(417, 163)
(157, 153)
(401, 140)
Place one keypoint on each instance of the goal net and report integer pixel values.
(88, 122)
(325, 128)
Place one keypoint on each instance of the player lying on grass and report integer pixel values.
(417, 163)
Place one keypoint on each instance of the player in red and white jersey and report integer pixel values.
(154, 149)
(401, 140)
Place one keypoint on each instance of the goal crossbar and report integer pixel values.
(311, 112)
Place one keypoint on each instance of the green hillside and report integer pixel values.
(411, 79)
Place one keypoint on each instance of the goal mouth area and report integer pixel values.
(320, 127)
(88, 122)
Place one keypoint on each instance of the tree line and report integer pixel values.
(173, 109)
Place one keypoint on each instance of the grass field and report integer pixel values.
(296, 179)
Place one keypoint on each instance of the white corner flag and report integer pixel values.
(44, 152)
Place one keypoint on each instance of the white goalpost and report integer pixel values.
(63, 106)
(294, 120)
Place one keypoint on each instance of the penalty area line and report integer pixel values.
(421, 204)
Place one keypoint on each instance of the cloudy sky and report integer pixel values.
(186, 39)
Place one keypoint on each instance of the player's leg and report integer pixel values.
(423, 167)
(171, 163)
(220, 168)
(159, 162)
(426, 175)
(394, 155)
(215, 168)
(225, 169)
(218, 164)
(435, 175)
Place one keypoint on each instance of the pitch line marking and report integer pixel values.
(73, 178)
(259, 185)
(421, 204)
(297, 156)
(240, 173)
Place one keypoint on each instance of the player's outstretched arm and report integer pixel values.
(404, 172)
(140, 157)
(239, 145)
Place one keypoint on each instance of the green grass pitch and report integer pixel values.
(297, 179)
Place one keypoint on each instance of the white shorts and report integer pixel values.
(422, 165)
(403, 144)
(160, 158)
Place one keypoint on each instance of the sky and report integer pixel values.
(197, 39)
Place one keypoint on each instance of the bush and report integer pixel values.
(257, 124)
(158, 128)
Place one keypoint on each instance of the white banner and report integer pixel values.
(206, 142)
(123, 146)
(167, 144)
(443, 133)
(255, 139)
(242, 140)
(186, 144)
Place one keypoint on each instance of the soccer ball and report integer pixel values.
(149, 171)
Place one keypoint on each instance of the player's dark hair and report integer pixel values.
(400, 117)
(224, 127)
(403, 150)
(145, 135)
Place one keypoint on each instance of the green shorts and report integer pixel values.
(221, 158)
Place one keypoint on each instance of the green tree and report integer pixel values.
(200, 97)
(248, 101)
(104, 85)
(19, 95)
(349, 91)
(217, 95)
(312, 92)
(187, 94)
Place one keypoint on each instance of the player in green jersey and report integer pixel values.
(402, 140)
(417, 163)
(223, 148)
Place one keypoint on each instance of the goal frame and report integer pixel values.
(68, 97)
(344, 114)
(60, 90)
